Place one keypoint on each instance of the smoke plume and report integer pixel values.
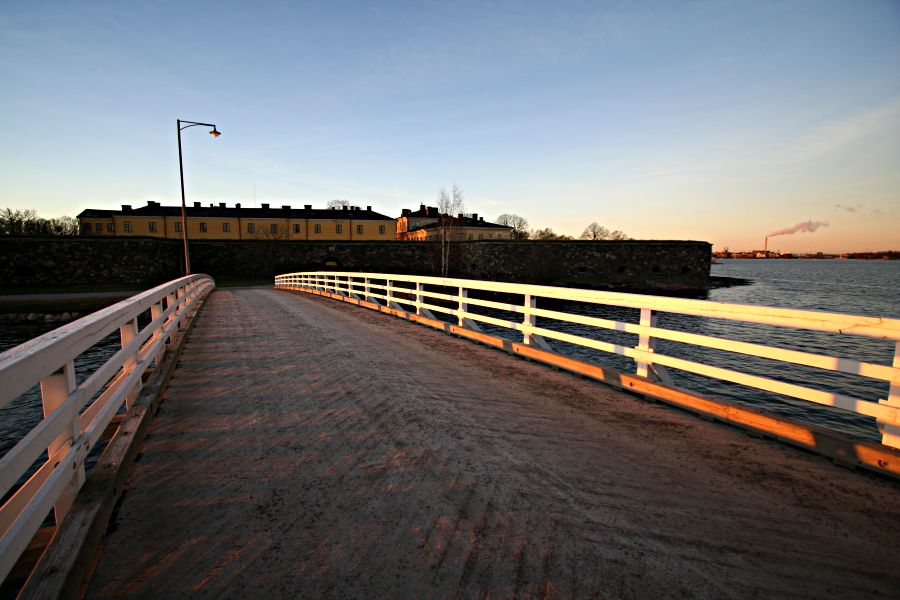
(804, 227)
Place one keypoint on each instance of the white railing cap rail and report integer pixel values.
(873, 327)
(27, 364)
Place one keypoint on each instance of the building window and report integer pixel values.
(226, 227)
(296, 227)
(471, 237)
(251, 227)
(110, 228)
(317, 228)
(203, 227)
(177, 226)
(98, 227)
(359, 229)
(480, 236)
(273, 228)
(338, 228)
(381, 229)
(127, 226)
(490, 236)
(151, 226)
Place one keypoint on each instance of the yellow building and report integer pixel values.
(427, 224)
(218, 222)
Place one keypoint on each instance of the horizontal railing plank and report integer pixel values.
(878, 327)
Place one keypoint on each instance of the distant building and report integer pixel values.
(427, 224)
(218, 222)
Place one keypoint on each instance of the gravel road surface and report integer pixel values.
(307, 448)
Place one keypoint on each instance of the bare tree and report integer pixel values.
(598, 232)
(27, 222)
(338, 203)
(448, 205)
(63, 226)
(17, 222)
(548, 234)
(519, 225)
(595, 232)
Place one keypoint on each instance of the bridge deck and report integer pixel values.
(309, 448)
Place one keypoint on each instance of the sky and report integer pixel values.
(716, 121)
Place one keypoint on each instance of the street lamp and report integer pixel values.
(184, 232)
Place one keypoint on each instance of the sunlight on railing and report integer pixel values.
(77, 415)
(452, 298)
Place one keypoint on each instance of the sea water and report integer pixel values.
(870, 288)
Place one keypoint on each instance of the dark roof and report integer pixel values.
(464, 222)
(156, 210)
(91, 213)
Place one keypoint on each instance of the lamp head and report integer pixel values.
(215, 133)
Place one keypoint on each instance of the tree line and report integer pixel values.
(28, 223)
(594, 231)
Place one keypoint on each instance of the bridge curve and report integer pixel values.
(309, 448)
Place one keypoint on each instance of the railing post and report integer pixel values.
(463, 307)
(366, 292)
(170, 301)
(890, 432)
(155, 312)
(127, 332)
(420, 287)
(528, 320)
(390, 296)
(54, 391)
(179, 296)
(645, 342)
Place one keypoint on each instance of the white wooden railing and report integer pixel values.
(451, 297)
(75, 416)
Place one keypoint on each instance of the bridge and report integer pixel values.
(302, 445)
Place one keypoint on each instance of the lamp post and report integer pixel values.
(184, 232)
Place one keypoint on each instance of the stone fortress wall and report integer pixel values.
(631, 265)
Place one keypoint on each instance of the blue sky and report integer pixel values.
(720, 121)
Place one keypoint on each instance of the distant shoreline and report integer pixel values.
(753, 255)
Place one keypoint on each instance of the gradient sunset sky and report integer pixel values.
(717, 121)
